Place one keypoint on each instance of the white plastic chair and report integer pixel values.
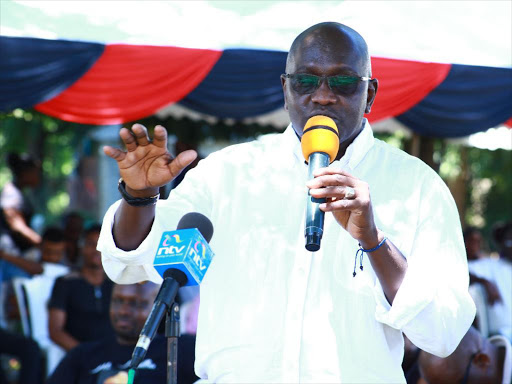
(36, 292)
(19, 292)
(477, 292)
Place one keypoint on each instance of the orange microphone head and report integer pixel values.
(320, 135)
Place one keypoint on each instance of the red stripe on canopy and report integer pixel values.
(130, 82)
(403, 84)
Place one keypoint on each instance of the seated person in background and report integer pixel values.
(27, 352)
(73, 223)
(45, 266)
(101, 361)
(42, 264)
(476, 360)
(16, 210)
(18, 266)
(473, 244)
(80, 301)
(497, 273)
(42, 260)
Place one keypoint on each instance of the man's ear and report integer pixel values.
(373, 85)
(283, 84)
(482, 360)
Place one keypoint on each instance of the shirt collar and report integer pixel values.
(354, 154)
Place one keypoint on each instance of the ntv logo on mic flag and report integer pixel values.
(186, 250)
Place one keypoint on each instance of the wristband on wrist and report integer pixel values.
(136, 201)
(361, 251)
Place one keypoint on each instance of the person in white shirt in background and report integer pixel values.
(497, 273)
(16, 235)
(473, 243)
(270, 310)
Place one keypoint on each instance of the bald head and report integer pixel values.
(326, 37)
(473, 350)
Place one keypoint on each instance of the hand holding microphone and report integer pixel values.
(333, 190)
(320, 143)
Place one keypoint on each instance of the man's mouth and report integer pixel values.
(123, 323)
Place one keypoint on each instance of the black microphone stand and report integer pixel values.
(172, 332)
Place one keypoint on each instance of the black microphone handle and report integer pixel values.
(163, 301)
(314, 216)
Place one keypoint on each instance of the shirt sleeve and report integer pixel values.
(127, 267)
(11, 197)
(433, 306)
(59, 296)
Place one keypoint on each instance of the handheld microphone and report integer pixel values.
(320, 144)
(182, 258)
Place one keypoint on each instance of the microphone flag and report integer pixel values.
(185, 250)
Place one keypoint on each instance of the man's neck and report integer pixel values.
(124, 341)
(93, 275)
(343, 146)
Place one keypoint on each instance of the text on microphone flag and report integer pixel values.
(186, 250)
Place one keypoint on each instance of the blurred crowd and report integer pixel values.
(484, 355)
(63, 321)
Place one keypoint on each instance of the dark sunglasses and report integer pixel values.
(304, 83)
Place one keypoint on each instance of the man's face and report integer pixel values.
(473, 244)
(92, 257)
(74, 227)
(52, 251)
(329, 55)
(507, 245)
(129, 307)
(32, 177)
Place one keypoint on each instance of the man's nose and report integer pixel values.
(323, 95)
(124, 309)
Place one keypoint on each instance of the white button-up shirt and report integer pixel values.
(273, 312)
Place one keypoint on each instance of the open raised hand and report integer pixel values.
(147, 164)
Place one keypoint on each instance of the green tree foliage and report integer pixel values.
(54, 143)
(496, 168)
(59, 145)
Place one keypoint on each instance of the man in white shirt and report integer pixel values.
(270, 310)
(497, 273)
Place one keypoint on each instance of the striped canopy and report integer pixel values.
(103, 84)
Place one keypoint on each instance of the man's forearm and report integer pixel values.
(132, 225)
(29, 266)
(64, 340)
(30, 234)
(17, 224)
(389, 265)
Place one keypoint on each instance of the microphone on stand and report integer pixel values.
(182, 258)
(320, 144)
